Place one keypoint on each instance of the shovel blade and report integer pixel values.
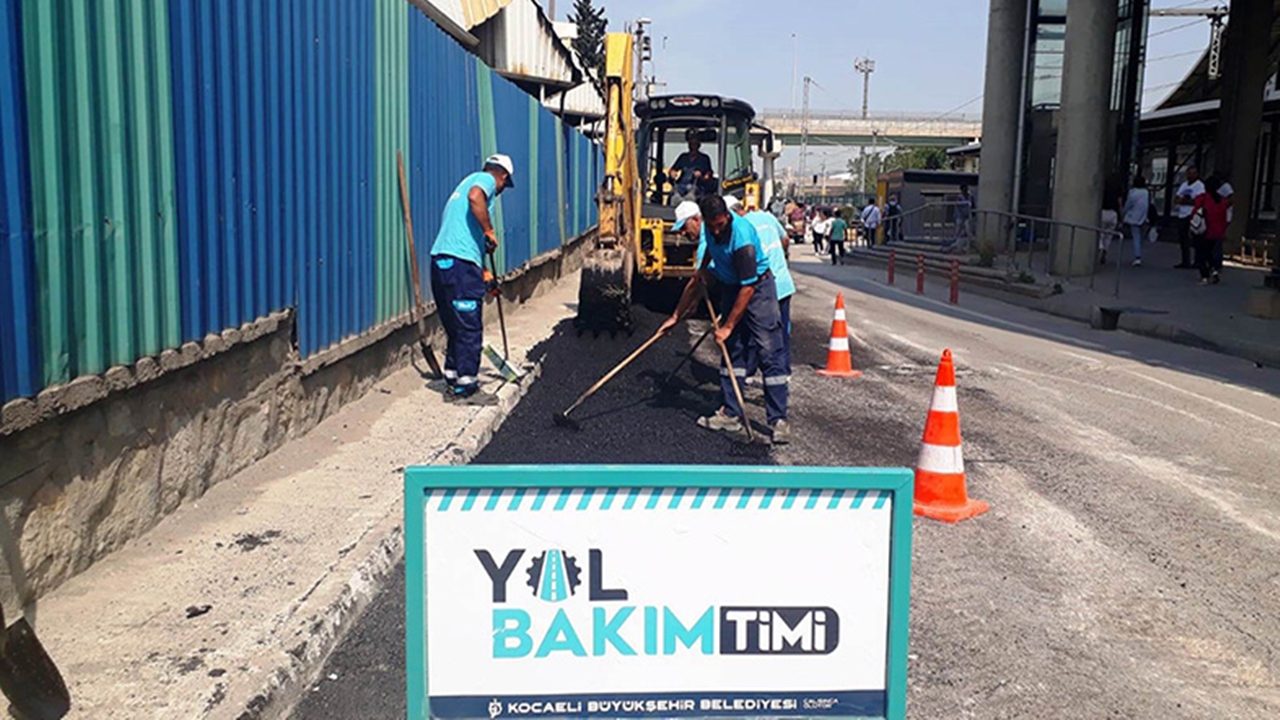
(509, 373)
(28, 677)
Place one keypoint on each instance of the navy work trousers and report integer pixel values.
(458, 287)
(759, 333)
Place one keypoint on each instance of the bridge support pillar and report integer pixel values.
(1001, 107)
(1082, 132)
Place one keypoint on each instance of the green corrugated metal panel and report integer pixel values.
(535, 109)
(391, 133)
(560, 176)
(101, 138)
(489, 146)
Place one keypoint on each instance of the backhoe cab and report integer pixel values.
(644, 180)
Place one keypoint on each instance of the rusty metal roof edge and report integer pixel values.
(444, 22)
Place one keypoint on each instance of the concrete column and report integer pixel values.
(1006, 30)
(1080, 162)
(1244, 79)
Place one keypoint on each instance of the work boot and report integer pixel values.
(475, 398)
(721, 421)
(781, 432)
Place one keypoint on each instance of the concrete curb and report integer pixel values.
(285, 685)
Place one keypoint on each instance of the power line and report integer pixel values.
(1175, 55)
(1175, 28)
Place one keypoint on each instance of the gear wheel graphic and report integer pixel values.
(565, 576)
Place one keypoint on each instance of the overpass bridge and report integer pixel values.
(849, 128)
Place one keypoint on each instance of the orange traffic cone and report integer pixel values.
(940, 487)
(839, 360)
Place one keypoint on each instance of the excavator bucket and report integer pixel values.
(604, 297)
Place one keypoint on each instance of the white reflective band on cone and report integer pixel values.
(944, 399)
(779, 380)
(840, 343)
(940, 459)
(840, 314)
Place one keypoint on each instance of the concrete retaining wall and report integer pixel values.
(91, 465)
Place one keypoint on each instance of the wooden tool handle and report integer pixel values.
(617, 369)
(733, 378)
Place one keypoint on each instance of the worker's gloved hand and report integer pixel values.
(491, 284)
(668, 324)
(490, 241)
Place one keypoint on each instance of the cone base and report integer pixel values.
(840, 373)
(952, 513)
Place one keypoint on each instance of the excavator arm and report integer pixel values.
(604, 298)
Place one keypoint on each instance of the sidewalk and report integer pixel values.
(225, 608)
(1154, 300)
(1159, 301)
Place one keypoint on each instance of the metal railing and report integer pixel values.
(1024, 243)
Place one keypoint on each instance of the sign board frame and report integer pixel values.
(896, 484)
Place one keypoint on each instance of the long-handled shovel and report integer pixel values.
(733, 378)
(562, 418)
(503, 361)
(418, 309)
(28, 677)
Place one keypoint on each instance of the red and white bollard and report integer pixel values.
(955, 282)
(920, 274)
(893, 257)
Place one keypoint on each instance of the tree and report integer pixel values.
(592, 27)
(902, 158)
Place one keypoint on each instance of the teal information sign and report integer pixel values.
(657, 591)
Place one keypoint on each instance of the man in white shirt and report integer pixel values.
(1184, 200)
(1226, 192)
(870, 221)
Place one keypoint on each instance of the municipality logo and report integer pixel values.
(554, 576)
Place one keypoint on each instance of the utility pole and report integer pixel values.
(866, 66)
(795, 67)
(804, 127)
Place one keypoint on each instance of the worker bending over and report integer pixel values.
(459, 281)
(734, 268)
(773, 238)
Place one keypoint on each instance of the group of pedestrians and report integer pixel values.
(1202, 209)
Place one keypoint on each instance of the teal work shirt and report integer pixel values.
(460, 234)
(771, 233)
(741, 260)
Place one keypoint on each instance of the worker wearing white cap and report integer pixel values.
(458, 278)
(732, 266)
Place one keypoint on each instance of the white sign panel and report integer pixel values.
(656, 602)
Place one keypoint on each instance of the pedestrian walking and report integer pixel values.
(1112, 201)
(735, 270)
(773, 239)
(964, 228)
(870, 222)
(1209, 222)
(1137, 212)
(459, 281)
(839, 232)
(1184, 200)
(795, 222)
(820, 227)
(893, 219)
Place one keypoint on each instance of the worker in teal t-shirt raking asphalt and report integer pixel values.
(734, 269)
(458, 278)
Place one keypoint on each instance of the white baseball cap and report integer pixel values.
(505, 163)
(731, 202)
(684, 211)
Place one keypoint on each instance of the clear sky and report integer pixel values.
(929, 54)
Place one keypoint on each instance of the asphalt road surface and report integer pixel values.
(1128, 568)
